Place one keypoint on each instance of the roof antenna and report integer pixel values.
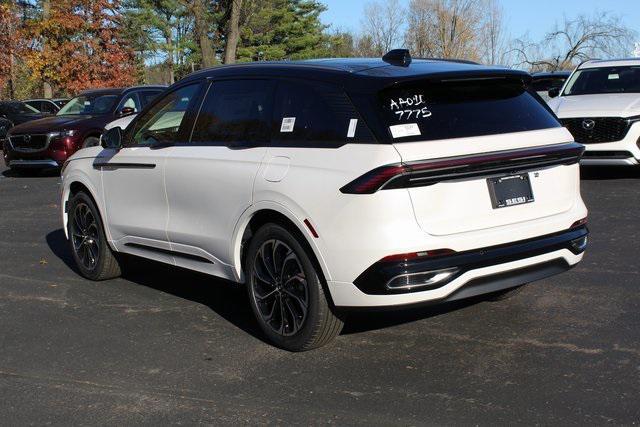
(399, 57)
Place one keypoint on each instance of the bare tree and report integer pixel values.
(382, 25)
(494, 40)
(575, 40)
(233, 32)
(447, 28)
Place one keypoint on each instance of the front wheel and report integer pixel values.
(286, 293)
(89, 246)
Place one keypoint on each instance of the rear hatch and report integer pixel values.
(483, 152)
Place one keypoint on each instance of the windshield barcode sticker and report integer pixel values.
(402, 131)
(287, 124)
(353, 123)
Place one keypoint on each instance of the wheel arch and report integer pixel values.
(77, 184)
(271, 212)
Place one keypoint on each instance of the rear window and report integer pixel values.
(428, 111)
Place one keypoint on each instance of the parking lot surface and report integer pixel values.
(162, 345)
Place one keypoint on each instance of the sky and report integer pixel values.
(521, 16)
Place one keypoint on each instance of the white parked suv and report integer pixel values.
(332, 184)
(600, 105)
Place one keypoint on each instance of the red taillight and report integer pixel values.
(373, 180)
(579, 223)
(414, 255)
(428, 172)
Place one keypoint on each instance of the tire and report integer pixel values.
(88, 241)
(286, 293)
(505, 293)
(92, 141)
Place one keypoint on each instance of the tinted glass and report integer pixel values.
(235, 112)
(89, 104)
(17, 108)
(146, 96)
(130, 101)
(544, 84)
(604, 80)
(48, 107)
(457, 109)
(316, 114)
(162, 123)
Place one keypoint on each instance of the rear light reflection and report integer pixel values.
(415, 255)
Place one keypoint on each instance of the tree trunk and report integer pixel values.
(233, 32)
(202, 33)
(47, 92)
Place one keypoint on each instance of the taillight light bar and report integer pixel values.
(429, 172)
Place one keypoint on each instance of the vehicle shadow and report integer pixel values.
(609, 172)
(229, 300)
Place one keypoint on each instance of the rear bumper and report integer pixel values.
(474, 272)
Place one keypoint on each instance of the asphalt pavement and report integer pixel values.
(166, 346)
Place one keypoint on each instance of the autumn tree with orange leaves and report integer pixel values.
(77, 45)
(11, 44)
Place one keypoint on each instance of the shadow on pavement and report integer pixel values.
(229, 300)
(609, 172)
(31, 173)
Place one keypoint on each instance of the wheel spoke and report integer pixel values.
(301, 304)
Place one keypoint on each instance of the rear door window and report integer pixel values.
(456, 109)
(235, 112)
(316, 114)
(146, 96)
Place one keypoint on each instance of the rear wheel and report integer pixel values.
(89, 246)
(286, 293)
(505, 293)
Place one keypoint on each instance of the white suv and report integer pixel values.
(333, 184)
(600, 105)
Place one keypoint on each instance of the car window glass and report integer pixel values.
(235, 112)
(426, 110)
(604, 80)
(89, 104)
(146, 96)
(48, 107)
(130, 101)
(161, 124)
(316, 114)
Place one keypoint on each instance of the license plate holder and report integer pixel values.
(512, 190)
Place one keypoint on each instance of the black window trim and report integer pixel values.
(187, 123)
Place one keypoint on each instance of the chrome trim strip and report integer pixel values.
(33, 163)
(631, 161)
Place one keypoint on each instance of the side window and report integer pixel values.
(130, 101)
(34, 104)
(163, 122)
(146, 96)
(235, 112)
(48, 107)
(316, 114)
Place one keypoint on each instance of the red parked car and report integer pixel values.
(48, 142)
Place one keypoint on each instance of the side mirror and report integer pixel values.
(126, 111)
(553, 92)
(112, 139)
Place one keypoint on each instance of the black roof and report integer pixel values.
(119, 90)
(358, 73)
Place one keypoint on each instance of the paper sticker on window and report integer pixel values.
(353, 123)
(614, 76)
(401, 131)
(287, 124)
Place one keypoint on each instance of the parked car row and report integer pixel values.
(49, 141)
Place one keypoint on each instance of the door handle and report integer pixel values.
(101, 165)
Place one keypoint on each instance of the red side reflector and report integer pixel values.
(415, 255)
(311, 229)
(579, 223)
